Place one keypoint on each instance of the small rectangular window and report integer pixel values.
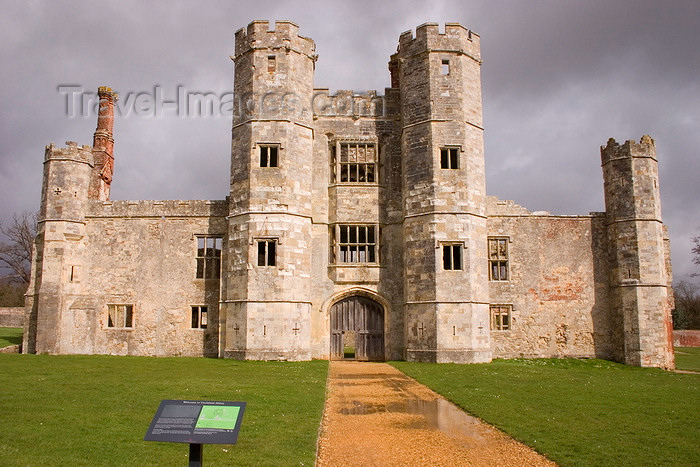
(199, 317)
(208, 257)
(267, 251)
(500, 317)
(498, 259)
(445, 68)
(449, 158)
(268, 155)
(271, 63)
(120, 316)
(452, 257)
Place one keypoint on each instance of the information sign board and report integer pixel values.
(196, 422)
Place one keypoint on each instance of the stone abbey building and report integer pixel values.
(356, 226)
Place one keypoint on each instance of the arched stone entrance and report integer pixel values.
(357, 329)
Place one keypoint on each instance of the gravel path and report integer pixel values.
(375, 415)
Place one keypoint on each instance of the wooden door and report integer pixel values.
(357, 329)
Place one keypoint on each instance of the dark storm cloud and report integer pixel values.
(559, 79)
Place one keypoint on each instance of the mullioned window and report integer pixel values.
(208, 257)
(355, 162)
(498, 258)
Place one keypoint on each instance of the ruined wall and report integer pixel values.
(12, 317)
(143, 254)
(557, 285)
(686, 338)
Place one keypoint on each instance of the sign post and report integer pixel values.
(196, 423)
(196, 455)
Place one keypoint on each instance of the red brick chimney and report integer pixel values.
(103, 146)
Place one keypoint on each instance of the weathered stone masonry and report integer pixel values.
(356, 226)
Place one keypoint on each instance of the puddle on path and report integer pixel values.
(438, 414)
(375, 415)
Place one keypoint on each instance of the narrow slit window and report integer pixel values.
(445, 68)
(271, 63)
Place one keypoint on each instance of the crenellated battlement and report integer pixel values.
(157, 208)
(71, 152)
(346, 103)
(630, 148)
(285, 36)
(456, 38)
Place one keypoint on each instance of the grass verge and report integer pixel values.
(579, 412)
(10, 336)
(687, 358)
(95, 410)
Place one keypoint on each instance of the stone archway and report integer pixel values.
(357, 329)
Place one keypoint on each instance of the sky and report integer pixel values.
(559, 78)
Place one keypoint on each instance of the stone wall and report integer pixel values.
(143, 254)
(11, 317)
(686, 338)
(557, 284)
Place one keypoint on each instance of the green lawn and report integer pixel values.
(579, 412)
(10, 336)
(95, 410)
(688, 358)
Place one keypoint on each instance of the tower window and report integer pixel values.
(199, 317)
(271, 63)
(500, 317)
(120, 316)
(355, 243)
(449, 158)
(452, 257)
(208, 257)
(268, 155)
(498, 259)
(355, 163)
(267, 251)
(445, 68)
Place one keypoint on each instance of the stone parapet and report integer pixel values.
(284, 36)
(166, 208)
(429, 38)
